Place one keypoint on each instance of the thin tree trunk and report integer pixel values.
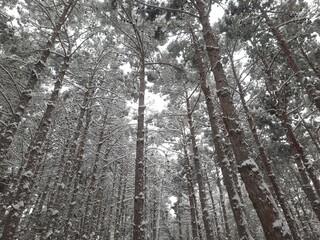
(93, 179)
(179, 215)
(214, 205)
(78, 164)
(199, 175)
(121, 191)
(191, 194)
(259, 194)
(223, 208)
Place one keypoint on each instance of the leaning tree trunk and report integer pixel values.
(259, 194)
(304, 166)
(222, 160)
(70, 221)
(266, 161)
(10, 129)
(33, 155)
(311, 90)
(215, 210)
(92, 186)
(199, 174)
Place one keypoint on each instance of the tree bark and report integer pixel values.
(10, 129)
(222, 160)
(199, 175)
(311, 90)
(259, 194)
(214, 205)
(138, 228)
(191, 194)
(32, 156)
(304, 165)
(266, 161)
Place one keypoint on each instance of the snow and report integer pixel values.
(280, 224)
(50, 103)
(250, 163)
(54, 212)
(49, 233)
(225, 160)
(18, 205)
(28, 174)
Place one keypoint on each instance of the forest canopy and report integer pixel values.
(160, 119)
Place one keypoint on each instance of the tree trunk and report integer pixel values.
(198, 171)
(93, 177)
(191, 194)
(77, 167)
(222, 160)
(304, 166)
(8, 132)
(138, 228)
(214, 205)
(268, 213)
(311, 90)
(265, 160)
(32, 156)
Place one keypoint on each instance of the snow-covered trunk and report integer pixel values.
(191, 194)
(222, 160)
(305, 168)
(313, 94)
(52, 211)
(70, 221)
(199, 176)
(122, 225)
(215, 208)
(121, 190)
(32, 158)
(179, 215)
(266, 161)
(8, 132)
(158, 212)
(311, 64)
(106, 217)
(138, 228)
(93, 178)
(304, 217)
(37, 220)
(224, 214)
(259, 194)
